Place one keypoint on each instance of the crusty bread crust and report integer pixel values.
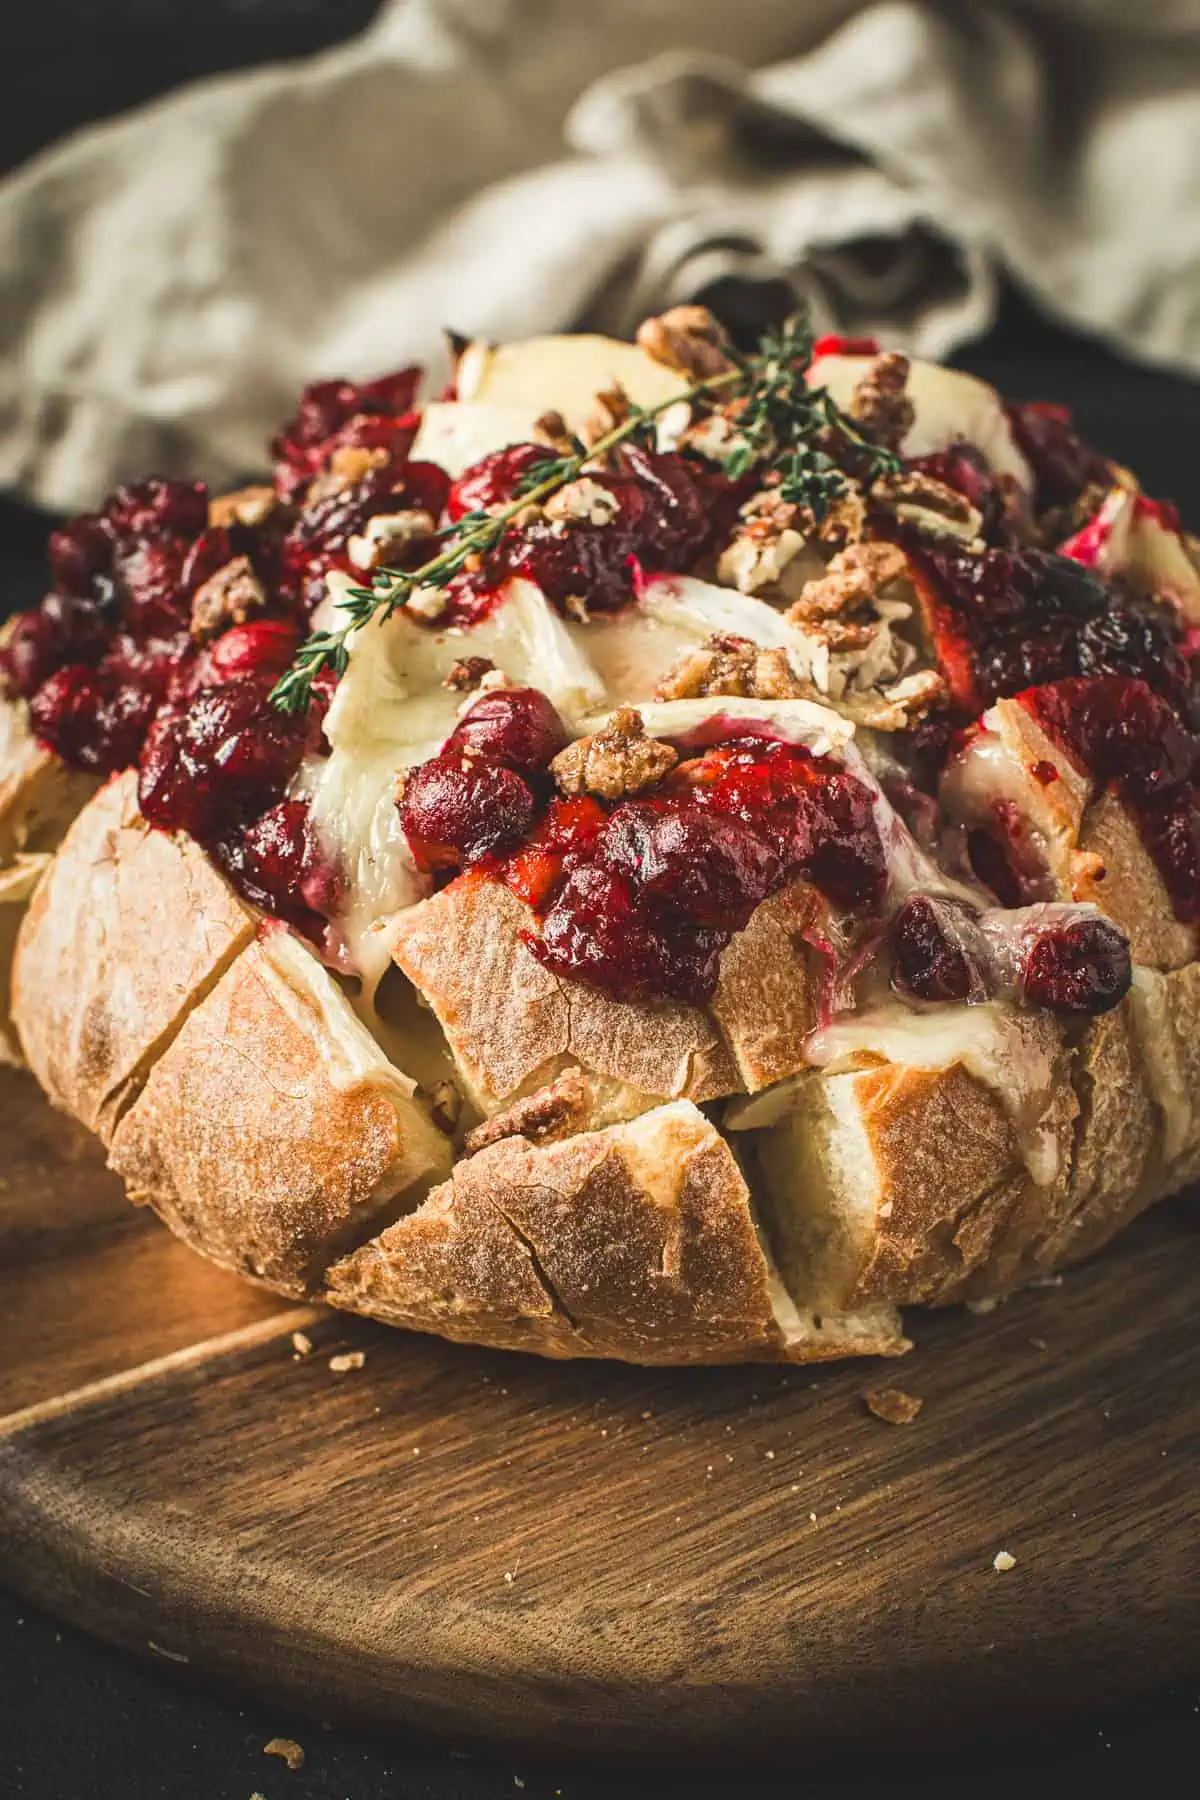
(39, 794)
(248, 1147)
(513, 1026)
(637, 1242)
(128, 927)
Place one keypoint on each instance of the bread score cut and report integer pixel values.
(272, 1131)
(957, 1158)
(39, 797)
(637, 1241)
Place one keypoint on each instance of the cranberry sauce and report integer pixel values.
(638, 897)
(1128, 737)
(167, 626)
(944, 951)
(1063, 464)
(1007, 619)
(656, 510)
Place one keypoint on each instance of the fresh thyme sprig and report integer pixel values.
(779, 420)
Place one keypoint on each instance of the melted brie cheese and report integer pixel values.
(989, 1043)
(949, 407)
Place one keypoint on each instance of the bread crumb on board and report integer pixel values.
(301, 1343)
(349, 1359)
(893, 1405)
(288, 1749)
(1003, 1561)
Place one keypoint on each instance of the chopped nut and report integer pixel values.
(893, 1405)
(687, 338)
(348, 464)
(553, 429)
(301, 1343)
(855, 578)
(230, 597)
(467, 673)
(249, 506)
(932, 506)
(552, 1112)
(287, 1748)
(1003, 1561)
(897, 707)
(583, 502)
(619, 760)
(445, 1107)
(771, 533)
(384, 536)
(733, 666)
(348, 1360)
(879, 405)
(612, 407)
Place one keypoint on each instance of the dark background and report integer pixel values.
(81, 1722)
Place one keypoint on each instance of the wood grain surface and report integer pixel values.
(588, 1554)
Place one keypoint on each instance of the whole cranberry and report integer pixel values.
(457, 810)
(600, 930)
(1061, 461)
(31, 653)
(150, 586)
(714, 869)
(93, 720)
(277, 847)
(931, 954)
(84, 627)
(157, 508)
(515, 726)
(262, 647)
(225, 753)
(78, 552)
(495, 479)
(1083, 967)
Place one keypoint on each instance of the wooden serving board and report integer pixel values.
(584, 1553)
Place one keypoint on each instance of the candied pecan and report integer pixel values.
(583, 502)
(467, 673)
(879, 405)
(385, 536)
(556, 1111)
(898, 707)
(845, 518)
(619, 760)
(733, 666)
(771, 533)
(932, 506)
(348, 464)
(854, 578)
(687, 338)
(230, 597)
(611, 408)
(554, 430)
(246, 506)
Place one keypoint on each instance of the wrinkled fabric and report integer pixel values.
(168, 281)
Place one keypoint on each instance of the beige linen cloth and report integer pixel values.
(168, 281)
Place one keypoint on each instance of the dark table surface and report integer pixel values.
(79, 1721)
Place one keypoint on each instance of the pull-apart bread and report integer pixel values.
(662, 852)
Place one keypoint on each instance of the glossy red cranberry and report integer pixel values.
(30, 655)
(227, 753)
(326, 405)
(457, 810)
(515, 726)
(78, 552)
(157, 508)
(833, 343)
(150, 588)
(261, 647)
(94, 720)
(600, 931)
(712, 868)
(1062, 463)
(1083, 967)
(496, 478)
(932, 958)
